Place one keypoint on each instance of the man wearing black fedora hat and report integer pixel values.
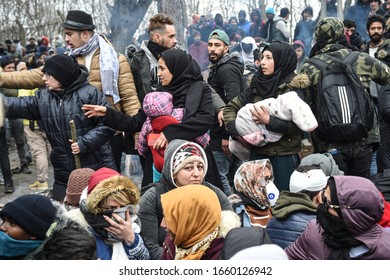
(108, 70)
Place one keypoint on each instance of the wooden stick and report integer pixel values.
(74, 140)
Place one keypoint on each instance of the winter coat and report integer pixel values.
(366, 209)
(135, 251)
(226, 78)
(384, 124)
(290, 143)
(279, 30)
(150, 211)
(292, 213)
(366, 67)
(142, 63)
(128, 104)
(55, 110)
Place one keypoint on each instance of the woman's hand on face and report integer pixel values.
(260, 115)
(161, 142)
(121, 229)
(94, 110)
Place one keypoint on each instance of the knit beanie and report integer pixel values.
(77, 182)
(325, 161)
(313, 180)
(270, 10)
(78, 20)
(329, 29)
(33, 212)
(99, 176)
(186, 153)
(63, 68)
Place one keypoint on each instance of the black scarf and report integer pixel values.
(155, 49)
(187, 81)
(285, 61)
(337, 44)
(97, 222)
(336, 233)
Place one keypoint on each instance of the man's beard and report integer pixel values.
(216, 59)
(376, 38)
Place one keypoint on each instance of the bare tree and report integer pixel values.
(126, 16)
(177, 10)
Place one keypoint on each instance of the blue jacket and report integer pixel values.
(292, 213)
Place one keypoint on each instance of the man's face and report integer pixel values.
(388, 5)
(374, 5)
(306, 16)
(376, 32)
(76, 38)
(217, 49)
(168, 38)
(349, 30)
(299, 52)
(9, 68)
(241, 18)
(270, 16)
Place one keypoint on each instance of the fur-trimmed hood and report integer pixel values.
(110, 186)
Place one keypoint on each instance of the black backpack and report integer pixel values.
(345, 111)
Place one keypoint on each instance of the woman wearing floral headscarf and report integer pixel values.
(275, 76)
(255, 192)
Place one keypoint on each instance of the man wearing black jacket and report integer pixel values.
(226, 78)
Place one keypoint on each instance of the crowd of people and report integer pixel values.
(221, 127)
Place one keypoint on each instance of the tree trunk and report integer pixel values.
(126, 16)
(177, 10)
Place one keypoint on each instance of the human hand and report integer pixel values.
(221, 119)
(94, 110)
(75, 147)
(121, 228)
(225, 147)
(161, 142)
(260, 115)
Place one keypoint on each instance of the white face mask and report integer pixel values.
(272, 193)
(121, 212)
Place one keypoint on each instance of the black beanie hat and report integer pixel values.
(33, 212)
(79, 20)
(63, 68)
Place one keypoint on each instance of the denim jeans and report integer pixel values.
(373, 166)
(227, 167)
(4, 157)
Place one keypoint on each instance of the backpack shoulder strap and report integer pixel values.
(351, 57)
(320, 64)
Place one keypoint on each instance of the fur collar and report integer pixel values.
(229, 221)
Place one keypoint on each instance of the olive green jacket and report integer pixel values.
(290, 143)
